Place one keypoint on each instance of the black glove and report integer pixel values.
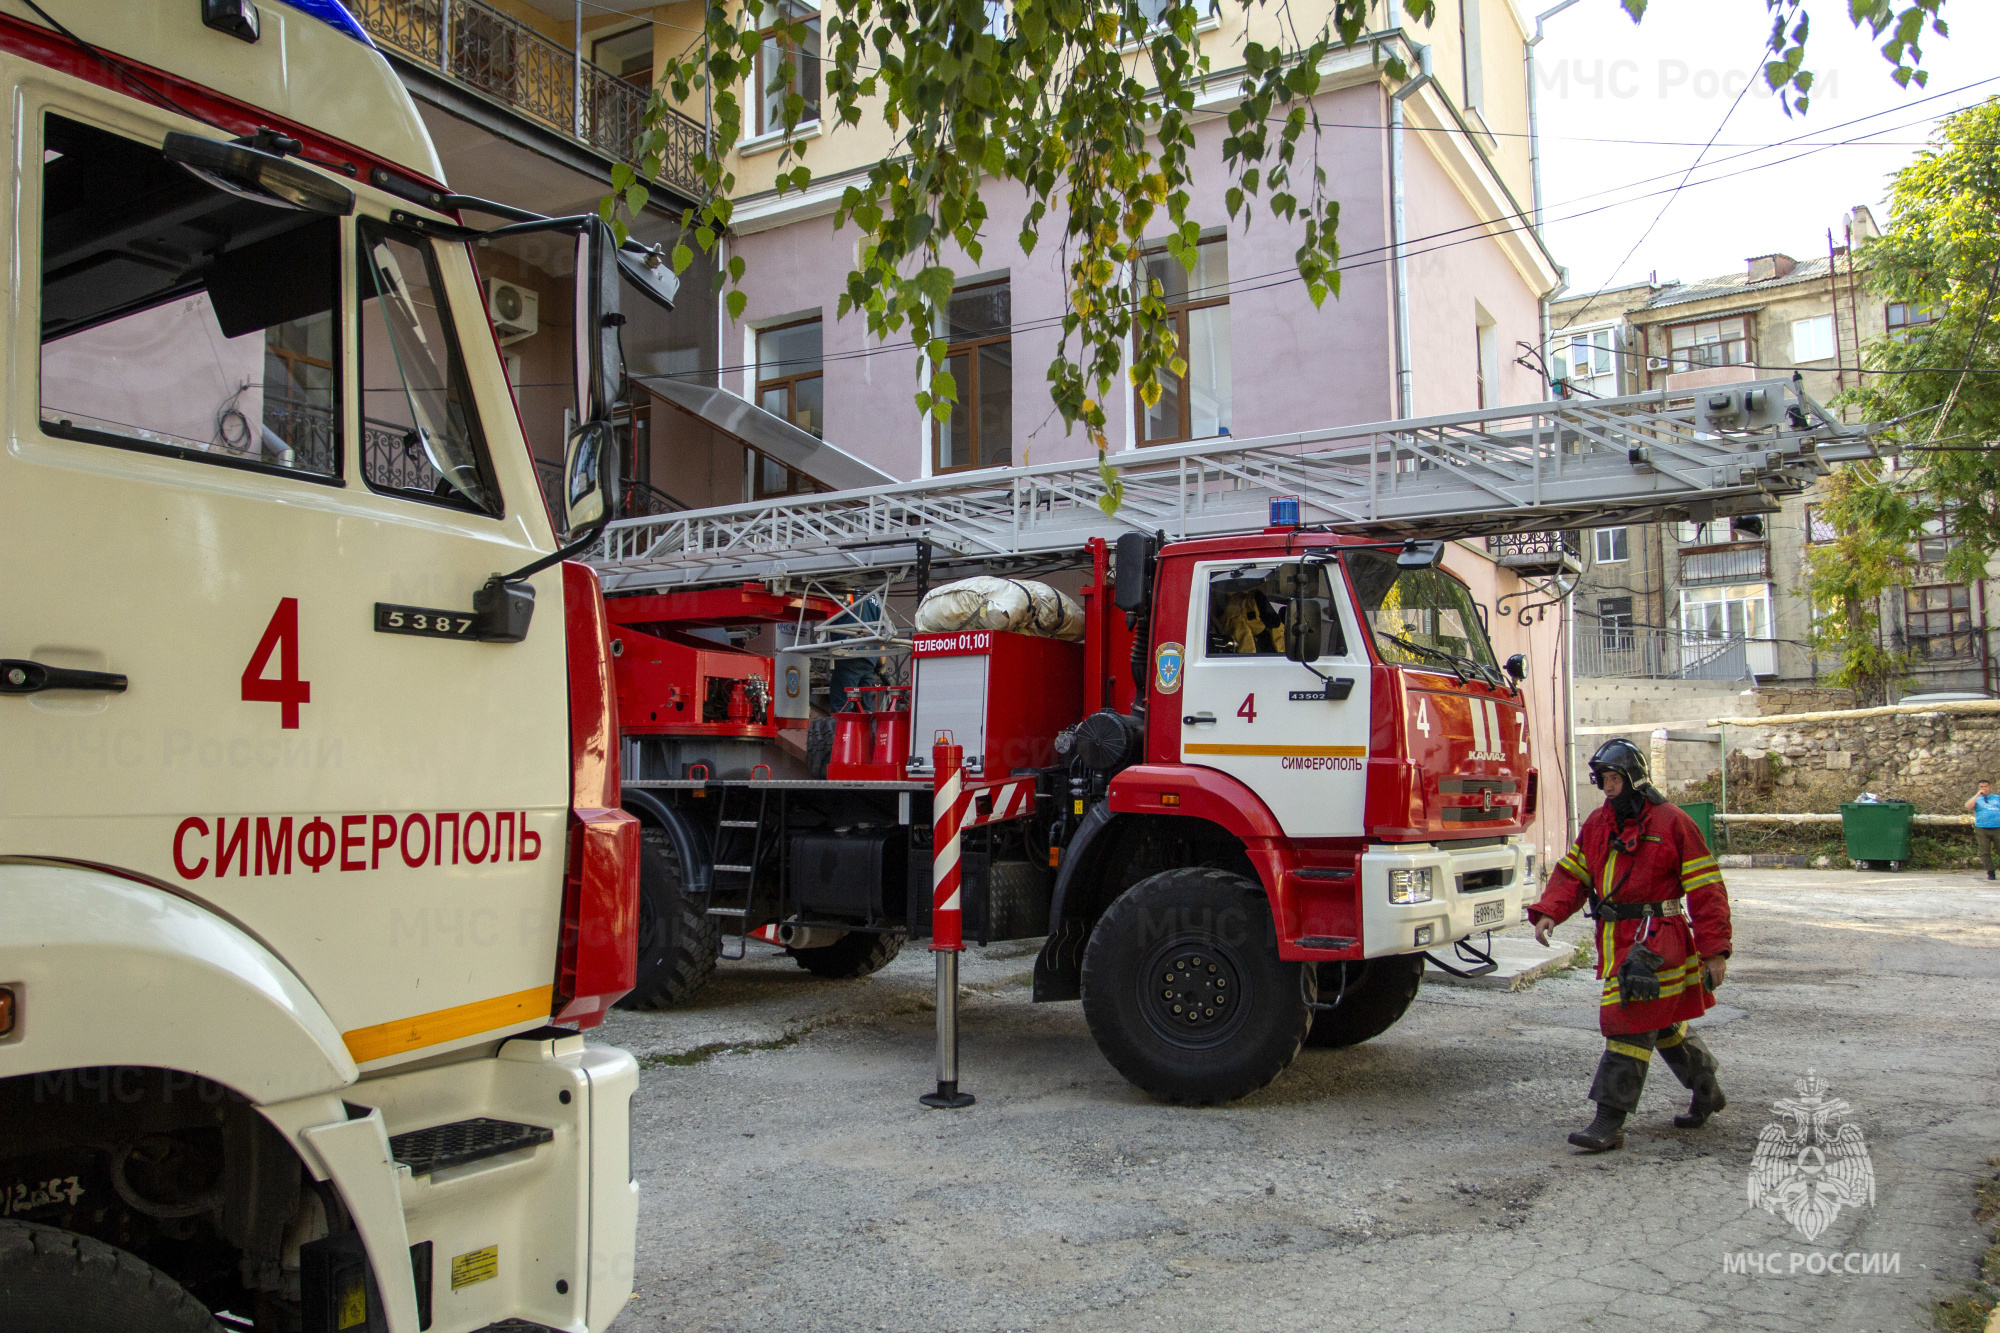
(1638, 979)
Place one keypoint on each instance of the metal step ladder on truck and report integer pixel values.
(312, 865)
(1281, 770)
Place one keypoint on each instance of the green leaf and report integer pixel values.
(682, 257)
(737, 300)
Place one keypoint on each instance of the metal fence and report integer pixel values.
(513, 63)
(1743, 562)
(1658, 654)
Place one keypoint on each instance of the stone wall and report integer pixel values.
(1932, 759)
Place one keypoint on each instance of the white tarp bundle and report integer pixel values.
(1019, 606)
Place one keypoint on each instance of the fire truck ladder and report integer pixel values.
(1665, 455)
(739, 845)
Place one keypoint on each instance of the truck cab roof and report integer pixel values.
(300, 74)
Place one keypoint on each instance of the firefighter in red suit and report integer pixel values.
(1662, 940)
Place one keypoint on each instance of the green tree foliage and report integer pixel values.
(1086, 106)
(1939, 382)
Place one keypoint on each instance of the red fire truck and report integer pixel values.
(1281, 771)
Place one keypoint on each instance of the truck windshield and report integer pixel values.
(1420, 617)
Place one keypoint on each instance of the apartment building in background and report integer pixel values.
(1726, 600)
(531, 103)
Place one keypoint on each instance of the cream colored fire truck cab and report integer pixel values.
(311, 869)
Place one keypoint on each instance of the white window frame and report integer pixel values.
(1616, 541)
(1697, 597)
(1812, 339)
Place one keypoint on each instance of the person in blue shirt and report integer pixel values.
(1985, 808)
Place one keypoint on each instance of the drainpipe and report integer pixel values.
(1405, 377)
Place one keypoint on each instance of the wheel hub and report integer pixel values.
(1192, 991)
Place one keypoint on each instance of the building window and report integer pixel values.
(980, 430)
(791, 383)
(1196, 405)
(1716, 342)
(1937, 621)
(1614, 618)
(1937, 541)
(1812, 339)
(773, 57)
(1712, 533)
(1585, 356)
(1486, 347)
(1468, 53)
(1732, 611)
(1900, 317)
(1819, 528)
(628, 55)
(1612, 546)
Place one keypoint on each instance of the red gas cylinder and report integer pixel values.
(851, 739)
(892, 733)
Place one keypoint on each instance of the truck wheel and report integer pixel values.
(678, 939)
(1379, 991)
(51, 1279)
(855, 954)
(1184, 990)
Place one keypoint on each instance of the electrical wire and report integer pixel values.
(1667, 204)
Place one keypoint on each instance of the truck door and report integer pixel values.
(235, 428)
(1249, 711)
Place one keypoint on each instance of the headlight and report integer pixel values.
(1410, 886)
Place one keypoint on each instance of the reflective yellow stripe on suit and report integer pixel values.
(1626, 1048)
(1675, 1036)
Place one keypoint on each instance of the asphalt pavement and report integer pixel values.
(1421, 1181)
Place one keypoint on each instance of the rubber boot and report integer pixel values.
(1602, 1134)
(1707, 1102)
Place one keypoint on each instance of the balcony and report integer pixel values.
(1666, 654)
(1537, 553)
(508, 61)
(1737, 562)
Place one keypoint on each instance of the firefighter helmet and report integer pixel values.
(1621, 757)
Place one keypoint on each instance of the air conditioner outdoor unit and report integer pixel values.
(516, 310)
(1656, 363)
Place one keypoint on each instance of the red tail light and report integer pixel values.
(1534, 792)
(598, 958)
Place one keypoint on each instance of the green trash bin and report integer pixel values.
(1877, 831)
(1703, 815)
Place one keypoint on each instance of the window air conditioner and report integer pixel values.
(516, 310)
(1656, 363)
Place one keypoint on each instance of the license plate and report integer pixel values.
(1489, 914)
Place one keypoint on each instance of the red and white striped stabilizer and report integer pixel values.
(949, 802)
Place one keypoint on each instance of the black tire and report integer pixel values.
(678, 939)
(1167, 948)
(855, 954)
(819, 747)
(56, 1281)
(1378, 992)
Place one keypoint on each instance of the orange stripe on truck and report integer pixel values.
(1300, 751)
(442, 1025)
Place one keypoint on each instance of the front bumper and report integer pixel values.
(1454, 911)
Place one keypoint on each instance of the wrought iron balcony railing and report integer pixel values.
(1739, 562)
(1538, 552)
(511, 62)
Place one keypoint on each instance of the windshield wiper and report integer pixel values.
(1460, 666)
(1452, 660)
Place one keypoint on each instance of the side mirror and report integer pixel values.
(1420, 555)
(1133, 572)
(254, 174)
(600, 350)
(1304, 628)
(590, 476)
(1517, 667)
(1286, 581)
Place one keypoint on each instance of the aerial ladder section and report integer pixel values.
(1665, 455)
